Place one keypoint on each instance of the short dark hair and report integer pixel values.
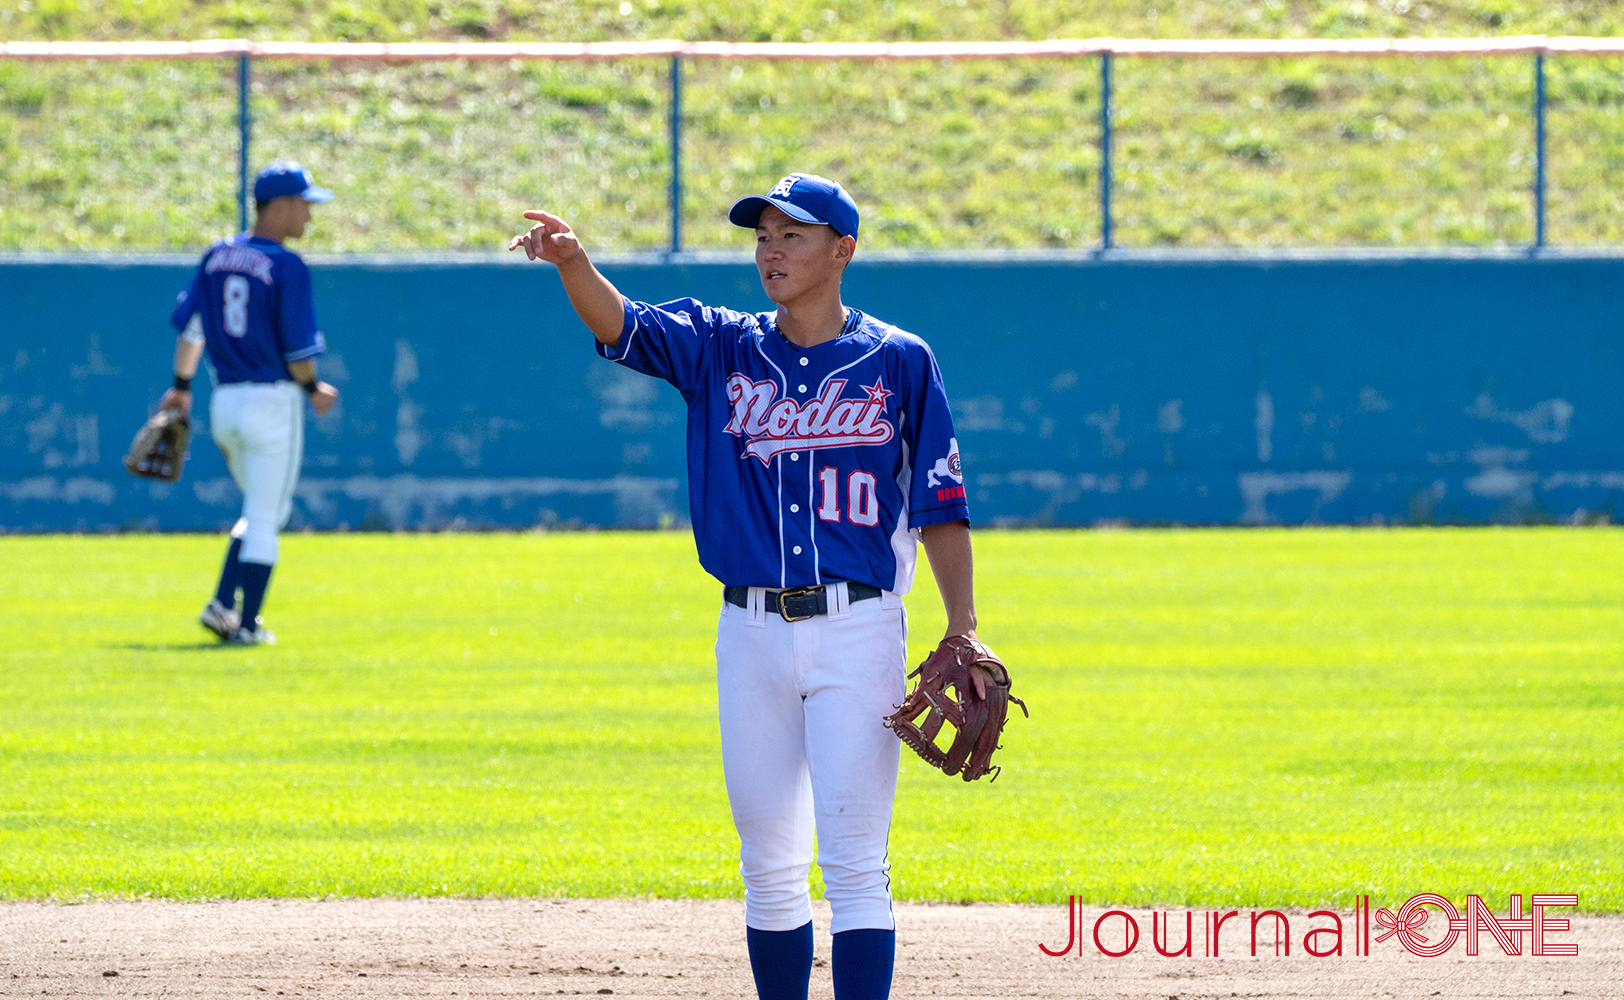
(259, 206)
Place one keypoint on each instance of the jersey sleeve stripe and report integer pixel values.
(938, 515)
(628, 332)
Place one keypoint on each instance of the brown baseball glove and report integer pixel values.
(159, 448)
(964, 685)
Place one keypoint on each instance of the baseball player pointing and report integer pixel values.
(250, 305)
(820, 450)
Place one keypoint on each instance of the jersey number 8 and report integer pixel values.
(235, 299)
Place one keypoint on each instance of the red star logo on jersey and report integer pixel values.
(878, 393)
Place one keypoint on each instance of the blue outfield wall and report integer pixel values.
(1148, 389)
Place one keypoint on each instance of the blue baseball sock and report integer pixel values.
(781, 962)
(862, 961)
(230, 576)
(255, 578)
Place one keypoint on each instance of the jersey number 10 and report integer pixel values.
(234, 298)
(863, 501)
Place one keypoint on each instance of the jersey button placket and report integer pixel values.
(795, 456)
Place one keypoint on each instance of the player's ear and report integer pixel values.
(845, 247)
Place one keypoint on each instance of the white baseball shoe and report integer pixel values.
(259, 635)
(219, 619)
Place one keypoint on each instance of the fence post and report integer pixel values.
(1539, 149)
(676, 154)
(244, 127)
(1105, 150)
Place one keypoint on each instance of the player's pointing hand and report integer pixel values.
(550, 239)
(596, 301)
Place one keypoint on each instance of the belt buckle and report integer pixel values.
(784, 596)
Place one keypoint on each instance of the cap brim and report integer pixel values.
(316, 194)
(746, 212)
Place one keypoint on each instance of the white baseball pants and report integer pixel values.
(260, 429)
(803, 748)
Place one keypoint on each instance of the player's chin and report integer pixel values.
(777, 289)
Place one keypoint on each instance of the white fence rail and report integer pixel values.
(603, 51)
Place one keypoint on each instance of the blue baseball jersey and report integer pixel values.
(252, 301)
(805, 465)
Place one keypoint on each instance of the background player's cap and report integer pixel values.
(284, 177)
(806, 197)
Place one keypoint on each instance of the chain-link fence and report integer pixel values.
(116, 156)
(943, 155)
(446, 155)
(957, 151)
(1585, 151)
(1319, 152)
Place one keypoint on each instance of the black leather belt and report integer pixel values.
(799, 603)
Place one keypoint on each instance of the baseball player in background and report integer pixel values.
(250, 306)
(820, 450)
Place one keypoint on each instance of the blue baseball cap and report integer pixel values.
(806, 197)
(284, 177)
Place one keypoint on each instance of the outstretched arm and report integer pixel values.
(596, 301)
(948, 547)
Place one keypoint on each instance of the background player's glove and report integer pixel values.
(964, 685)
(159, 448)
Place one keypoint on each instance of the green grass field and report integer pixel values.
(1218, 717)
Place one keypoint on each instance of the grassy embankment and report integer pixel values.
(969, 155)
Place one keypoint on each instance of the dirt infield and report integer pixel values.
(671, 948)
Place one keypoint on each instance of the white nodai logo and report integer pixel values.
(772, 425)
(783, 188)
(946, 468)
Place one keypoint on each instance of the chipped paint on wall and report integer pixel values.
(1257, 487)
(1257, 391)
